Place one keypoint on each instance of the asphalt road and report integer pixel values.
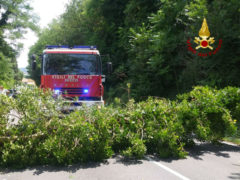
(204, 162)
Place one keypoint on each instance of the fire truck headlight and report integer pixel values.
(57, 91)
(85, 91)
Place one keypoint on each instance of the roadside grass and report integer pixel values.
(235, 138)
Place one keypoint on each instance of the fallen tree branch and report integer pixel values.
(9, 138)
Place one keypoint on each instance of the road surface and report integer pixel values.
(204, 162)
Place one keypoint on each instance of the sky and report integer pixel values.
(47, 10)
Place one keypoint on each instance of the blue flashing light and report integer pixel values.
(51, 46)
(85, 91)
(63, 46)
(85, 47)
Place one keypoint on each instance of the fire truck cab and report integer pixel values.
(73, 73)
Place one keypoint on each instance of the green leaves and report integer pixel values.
(44, 135)
(15, 18)
(212, 117)
(160, 57)
(6, 72)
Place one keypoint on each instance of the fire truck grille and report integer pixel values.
(72, 91)
(83, 98)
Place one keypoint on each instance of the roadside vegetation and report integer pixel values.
(45, 135)
(146, 40)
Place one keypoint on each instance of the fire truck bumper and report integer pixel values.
(74, 105)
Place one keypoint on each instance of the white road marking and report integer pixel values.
(168, 169)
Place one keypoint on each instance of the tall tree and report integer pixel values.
(15, 17)
(162, 64)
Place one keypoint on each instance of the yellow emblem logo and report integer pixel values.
(204, 33)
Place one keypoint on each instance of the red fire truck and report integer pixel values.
(74, 73)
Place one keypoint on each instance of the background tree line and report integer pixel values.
(147, 43)
(15, 17)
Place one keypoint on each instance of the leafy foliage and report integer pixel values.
(15, 18)
(6, 71)
(162, 65)
(44, 135)
(205, 113)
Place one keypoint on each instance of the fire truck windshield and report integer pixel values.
(71, 64)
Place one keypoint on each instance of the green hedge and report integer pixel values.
(45, 135)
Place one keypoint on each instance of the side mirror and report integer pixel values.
(109, 67)
(103, 78)
(34, 63)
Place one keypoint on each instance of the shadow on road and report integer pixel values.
(70, 168)
(127, 161)
(234, 176)
(196, 152)
(222, 150)
(37, 170)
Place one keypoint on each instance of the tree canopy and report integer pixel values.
(15, 17)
